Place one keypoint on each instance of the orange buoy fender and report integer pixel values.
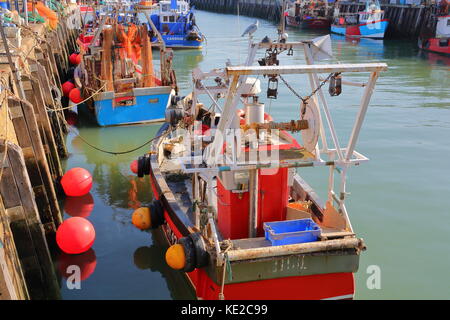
(193, 254)
(150, 217)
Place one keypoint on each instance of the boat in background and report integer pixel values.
(367, 24)
(175, 21)
(436, 36)
(117, 71)
(308, 15)
(292, 14)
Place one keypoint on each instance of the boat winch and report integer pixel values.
(175, 112)
(188, 254)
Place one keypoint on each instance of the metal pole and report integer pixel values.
(25, 10)
(253, 209)
(361, 114)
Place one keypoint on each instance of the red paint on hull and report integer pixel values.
(292, 22)
(316, 23)
(314, 287)
(435, 45)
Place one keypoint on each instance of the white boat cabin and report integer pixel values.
(443, 27)
(169, 15)
(373, 12)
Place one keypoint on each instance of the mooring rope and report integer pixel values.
(109, 151)
(71, 128)
(77, 104)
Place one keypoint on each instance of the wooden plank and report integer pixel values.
(107, 71)
(46, 125)
(29, 139)
(27, 229)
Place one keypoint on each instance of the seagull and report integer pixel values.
(251, 29)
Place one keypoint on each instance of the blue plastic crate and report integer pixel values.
(291, 231)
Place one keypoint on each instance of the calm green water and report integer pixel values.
(399, 202)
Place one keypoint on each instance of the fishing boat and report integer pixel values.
(369, 23)
(175, 21)
(116, 76)
(308, 15)
(436, 36)
(242, 223)
(292, 14)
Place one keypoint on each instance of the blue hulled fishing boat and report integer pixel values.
(116, 70)
(175, 22)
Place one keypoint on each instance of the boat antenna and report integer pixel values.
(282, 35)
(239, 29)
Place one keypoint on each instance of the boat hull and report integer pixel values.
(437, 45)
(180, 42)
(141, 105)
(292, 21)
(373, 30)
(315, 23)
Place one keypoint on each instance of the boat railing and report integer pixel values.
(346, 18)
(371, 16)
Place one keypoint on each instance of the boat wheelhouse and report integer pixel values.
(242, 223)
(367, 24)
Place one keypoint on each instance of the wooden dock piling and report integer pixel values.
(32, 144)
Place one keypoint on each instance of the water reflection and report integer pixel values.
(434, 58)
(368, 48)
(79, 206)
(152, 258)
(184, 61)
(115, 184)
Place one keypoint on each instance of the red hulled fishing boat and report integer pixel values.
(240, 220)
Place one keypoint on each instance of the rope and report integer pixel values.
(74, 105)
(108, 151)
(226, 265)
(117, 152)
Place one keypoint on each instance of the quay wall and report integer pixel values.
(33, 64)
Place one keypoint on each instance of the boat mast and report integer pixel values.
(282, 27)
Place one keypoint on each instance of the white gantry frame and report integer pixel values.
(339, 157)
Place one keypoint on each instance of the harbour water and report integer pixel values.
(399, 201)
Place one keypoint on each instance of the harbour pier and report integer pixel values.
(33, 64)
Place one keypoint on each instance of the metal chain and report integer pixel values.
(305, 99)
